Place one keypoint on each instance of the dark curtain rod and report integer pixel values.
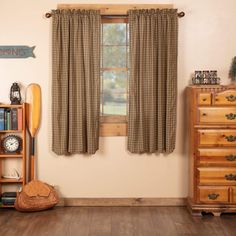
(180, 14)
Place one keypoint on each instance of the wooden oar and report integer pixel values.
(33, 115)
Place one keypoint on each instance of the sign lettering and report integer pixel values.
(16, 51)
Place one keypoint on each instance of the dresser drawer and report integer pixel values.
(204, 99)
(233, 195)
(216, 138)
(212, 115)
(227, 97)
(217, 156)
(213, 194)
(216, 176)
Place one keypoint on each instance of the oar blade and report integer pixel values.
(33, 110)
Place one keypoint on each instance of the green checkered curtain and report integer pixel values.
(76, 81)
(153, 80)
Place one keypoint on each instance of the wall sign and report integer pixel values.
(16, 51)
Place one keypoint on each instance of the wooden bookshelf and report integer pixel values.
(4, 157)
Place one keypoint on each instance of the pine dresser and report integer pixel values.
(212, 149)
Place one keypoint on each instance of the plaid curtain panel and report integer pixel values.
(75, 81)
(153, 80)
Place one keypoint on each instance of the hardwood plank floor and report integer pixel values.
(114, 221)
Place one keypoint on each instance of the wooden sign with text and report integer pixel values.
(16, 51)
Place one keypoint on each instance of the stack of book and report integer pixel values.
(8, 198)
(10, 118)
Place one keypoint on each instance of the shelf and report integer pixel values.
(10, 106)
(11, 155)
(6, 206)
(10, 131)
(6, 180)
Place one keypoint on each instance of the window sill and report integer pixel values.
(111, 126)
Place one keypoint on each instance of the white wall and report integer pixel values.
(206, 41)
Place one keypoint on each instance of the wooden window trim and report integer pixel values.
(113, 9)
(113, 119)
(114, 19)
(113, 129)
(113, 126)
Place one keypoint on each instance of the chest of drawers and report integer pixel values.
(212, 149)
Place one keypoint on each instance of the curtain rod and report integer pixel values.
(49, 14)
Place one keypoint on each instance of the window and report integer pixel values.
(114, 68)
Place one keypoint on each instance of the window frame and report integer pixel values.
(114, 125)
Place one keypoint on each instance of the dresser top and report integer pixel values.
(212, 87)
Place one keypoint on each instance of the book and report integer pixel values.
(14, 122)
(19, 118)
(8, 119)
(2, 126)
(8, 198)
(9, 194)
(5, 119)
(8, 201)
(7, 122)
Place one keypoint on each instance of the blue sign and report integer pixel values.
(16, 51)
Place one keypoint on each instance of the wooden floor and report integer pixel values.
(122, 221)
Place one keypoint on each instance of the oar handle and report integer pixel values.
(32, 146)
(32, 159)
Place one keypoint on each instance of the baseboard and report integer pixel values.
(122, 202)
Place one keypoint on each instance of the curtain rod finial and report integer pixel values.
(48, 15)
(181, 14)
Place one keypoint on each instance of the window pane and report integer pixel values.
(114, 104)
(114, 56)
(113, 79)
(116, 81)
(114, 34)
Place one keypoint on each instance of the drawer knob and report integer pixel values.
(230, 116)
(230, 157)
(213, 196)
(204, 114)
(231, 98)
(230, 177)
(204, 99)
(230, 138)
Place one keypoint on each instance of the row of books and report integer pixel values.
(10, 118)
(8, 198)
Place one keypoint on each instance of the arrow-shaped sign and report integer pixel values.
(16, 51)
